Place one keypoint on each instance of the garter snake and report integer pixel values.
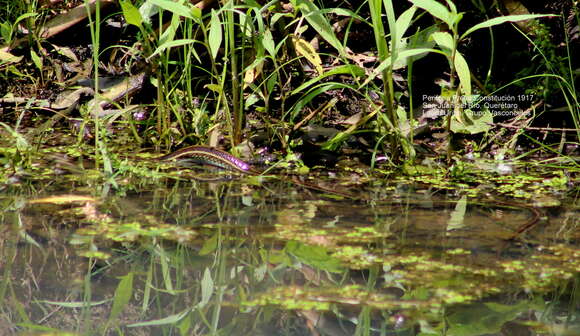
(224, 160)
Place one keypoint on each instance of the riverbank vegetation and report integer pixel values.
(388, 84)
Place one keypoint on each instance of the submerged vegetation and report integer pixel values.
(417, 167)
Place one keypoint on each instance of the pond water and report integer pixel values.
(254, 256)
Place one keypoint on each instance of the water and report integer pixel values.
(252, 257)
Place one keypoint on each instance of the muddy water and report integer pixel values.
(237, 258)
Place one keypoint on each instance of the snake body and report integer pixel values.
(211, 156)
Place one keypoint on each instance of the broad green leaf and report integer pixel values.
(271, 82)
(196, 12)
(210, 245)
(503, 19)
(6, 31)
(305, 49)
(215, 34)
(131, 13)
(436, 9)
(314, 17)
(268, 42)
(404, 21)
(36, 59)
(444, 40)
(173, 7)
(315, 256)
(123, 295)
(462, 69)
(23, 17)
(207, 287)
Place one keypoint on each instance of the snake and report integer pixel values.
(224, 160)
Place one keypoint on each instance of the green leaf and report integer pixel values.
(215, 34)
(207, 287)
(196, 12)
(462, 69)
(173, 7)
(123, 295)
(171, 44)
(209, 245)
(131, 13)
(214, 87)
(503, 19)
(6, 31)
(23, 17)
(314, 17)
(36, 59)
(404, 21)
(436, 9)
(315, 256)
(268, 42)
(444, 40)
(271, 82)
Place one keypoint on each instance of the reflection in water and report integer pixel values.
(232, 259)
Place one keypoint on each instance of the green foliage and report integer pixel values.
(213, 67)
(315, 256)
(19, 155)
(123, 295)
(319, 22)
